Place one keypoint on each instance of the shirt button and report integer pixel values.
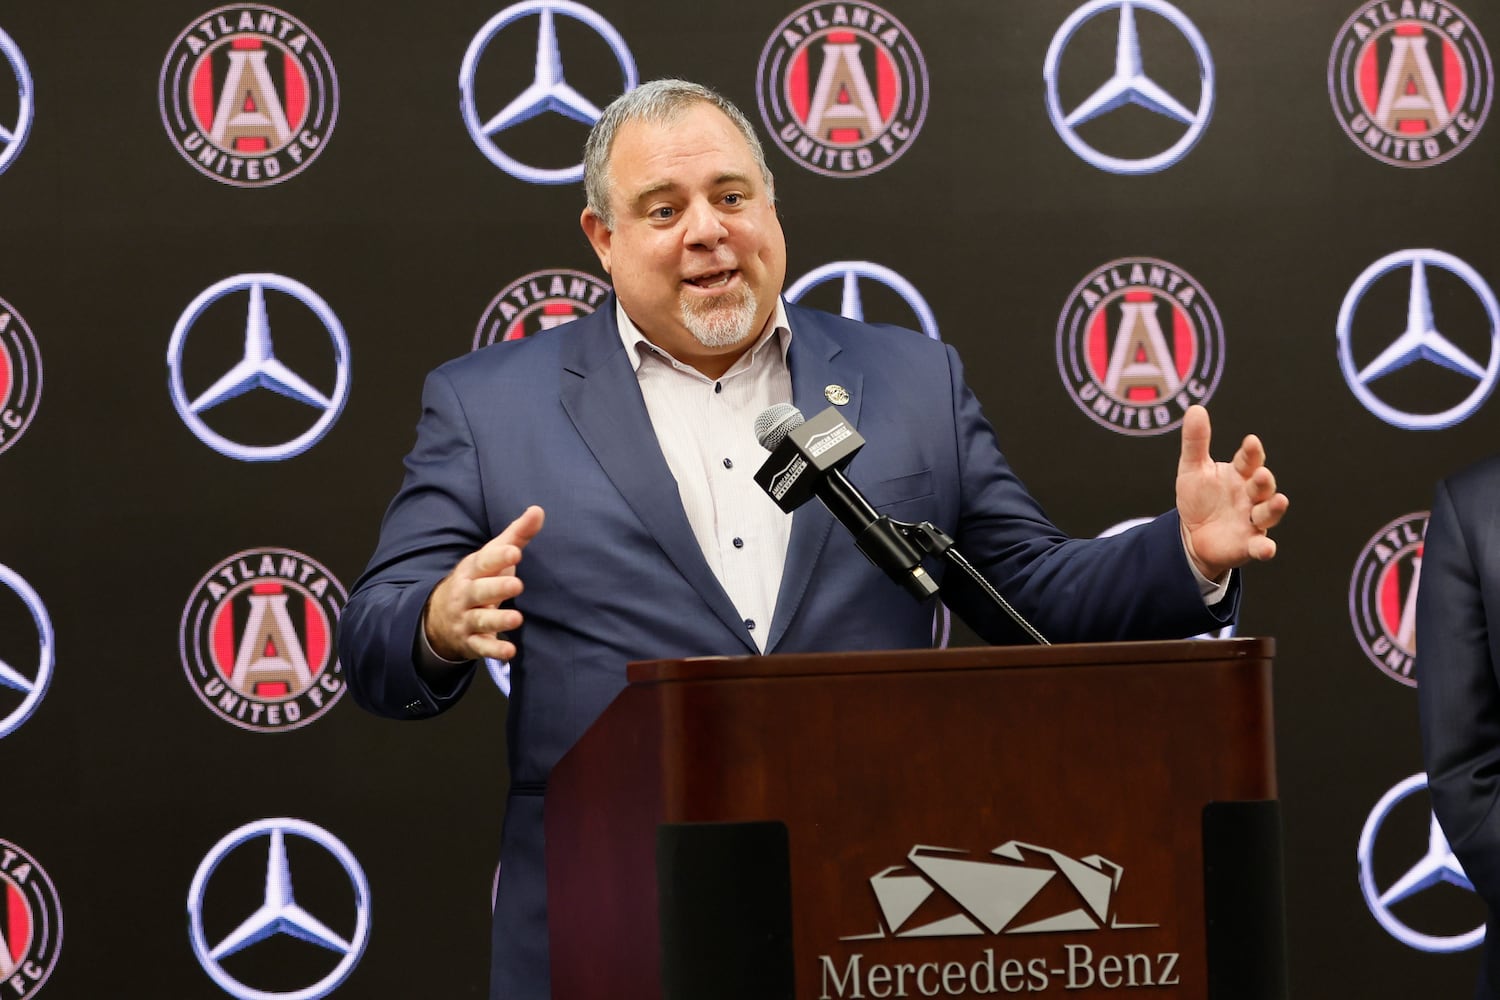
(750, 624)
(718, 387)
(739, 543)
(728, 463)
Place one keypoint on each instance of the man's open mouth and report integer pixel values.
(717, 279)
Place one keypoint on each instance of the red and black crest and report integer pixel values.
(31, 926)
(842, 87)
(257, 640)
(248, 95)
(1411, 82)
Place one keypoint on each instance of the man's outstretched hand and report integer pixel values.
(463, 620)
(1226, 507)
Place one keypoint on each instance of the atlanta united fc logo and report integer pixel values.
(842, 88)
(257, 640)
(20, 376)
(248, 95)
(539, 301)
(1383, 596)
(1139, 341)
(30, 923)
(1411, 82)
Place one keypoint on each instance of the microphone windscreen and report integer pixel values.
(775, 423)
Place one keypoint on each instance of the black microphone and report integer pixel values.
(807, 460)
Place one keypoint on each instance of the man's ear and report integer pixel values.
(598, 234)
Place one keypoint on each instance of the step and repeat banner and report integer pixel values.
(233, 239)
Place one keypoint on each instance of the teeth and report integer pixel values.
(713, 280)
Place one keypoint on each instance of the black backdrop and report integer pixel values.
(122, 780)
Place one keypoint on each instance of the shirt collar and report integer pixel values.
(636, 344)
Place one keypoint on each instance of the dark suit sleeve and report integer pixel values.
(1458, 696)
(436, 519)
(1135, 585)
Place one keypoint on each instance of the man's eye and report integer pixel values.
(662, 212)
(733, 199)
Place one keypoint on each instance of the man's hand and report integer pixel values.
(463, 619)
(1226, 508)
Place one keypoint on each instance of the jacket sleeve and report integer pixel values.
(1134, 585)
(1458, 696)
(436, 519)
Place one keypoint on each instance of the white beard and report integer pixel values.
(723, 323)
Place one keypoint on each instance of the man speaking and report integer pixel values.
(631, 432)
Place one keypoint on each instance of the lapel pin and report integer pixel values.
(836, 394)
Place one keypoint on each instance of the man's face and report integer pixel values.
(696, 255)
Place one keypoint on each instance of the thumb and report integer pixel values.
(524, 528)
(1196, 431)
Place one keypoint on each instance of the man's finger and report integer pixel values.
(1262, 484)
(494, 648)
(1251, 456)
(524, 528)
(489, 621)
(495, 558)
(1196, 431)
(1262, 547)
(501, 553)
(1268, 515)
(489, 591)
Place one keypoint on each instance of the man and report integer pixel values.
(633, 429)
(1458, 682)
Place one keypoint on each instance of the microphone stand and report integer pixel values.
(933, 540)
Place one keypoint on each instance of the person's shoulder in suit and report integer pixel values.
(841, 327)
(1480, 476)
(522, 361)
(876, 339)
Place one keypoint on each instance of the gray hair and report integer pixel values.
(659, 102)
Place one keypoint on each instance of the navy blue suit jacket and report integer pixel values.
(617, 575)
(1458, 682)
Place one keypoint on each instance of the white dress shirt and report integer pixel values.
(706, 429)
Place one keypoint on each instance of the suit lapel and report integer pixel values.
(601, 395)
(816, 362)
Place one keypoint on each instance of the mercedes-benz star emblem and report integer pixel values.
(851, 305)
(1422, 340)
(1436, 866)
(13, 136)
(279, 911)
(31, 684)
(549, 89)
(1130, 84)
(259, 368)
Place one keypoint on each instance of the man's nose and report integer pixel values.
(704, 226)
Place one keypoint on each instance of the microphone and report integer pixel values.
(807, 460)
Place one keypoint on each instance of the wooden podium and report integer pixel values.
(1084, 820)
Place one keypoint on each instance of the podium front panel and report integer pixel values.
(1031, 825)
